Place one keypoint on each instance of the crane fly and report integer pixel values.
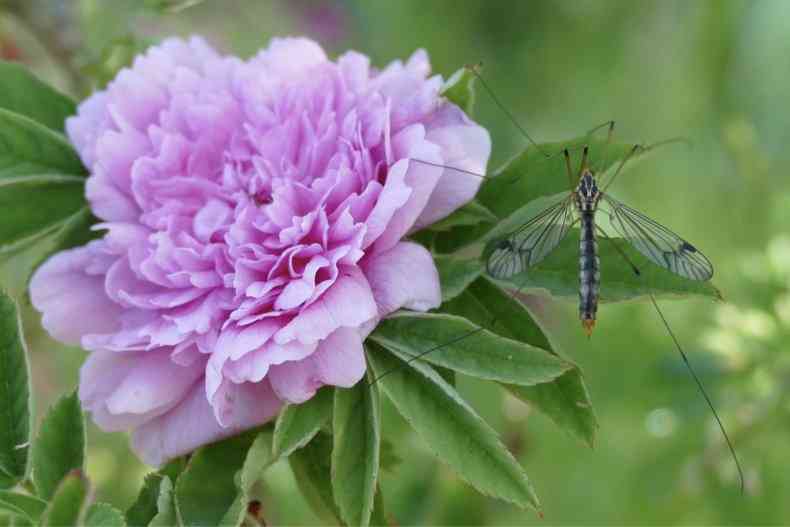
(538, 237)
(534, 240)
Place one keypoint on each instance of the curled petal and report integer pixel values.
(464, 145)
(338, 361)
(403, 277)
(348, 303)
(192, 423)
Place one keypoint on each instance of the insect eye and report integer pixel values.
(504, 245)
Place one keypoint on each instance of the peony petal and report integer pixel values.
(192, 423)
(340, 359)
(464, 145)
(295, 382)
(348, 303)
(287, 57)
(154, 382)
(421, 178)
(404, 276)
(73, 302)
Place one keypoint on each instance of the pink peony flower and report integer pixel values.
(254, 215)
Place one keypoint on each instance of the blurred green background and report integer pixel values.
(714, 71)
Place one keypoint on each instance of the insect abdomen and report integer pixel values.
(589, 273)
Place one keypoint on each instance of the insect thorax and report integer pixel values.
(587, 193)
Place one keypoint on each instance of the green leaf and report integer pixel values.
(485, 303)
(206, 490)
(145, 507)
(455, 274)
(14, 395)
(355, 451)
(68, 501)
(447, 375)
(23, 93)
(23, 505)
(30, 205)
(104, 515)
(30, 148)
(59, 448)
(389, 459)
(458, 344)
(166, 515)
(311, 466)
(298, 424)
(452, 429)
(379, 516)
(564, 400)
(259, 457)
(473, 213)
(459, 90)
(558, 275)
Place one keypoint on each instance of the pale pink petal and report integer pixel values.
(154, 382)
(340, 358)
(421, 178)
(339, 361)
(403, 277)
(287, 57)
(192, 424)
(464, 145)
(72, 300)
(348, 303)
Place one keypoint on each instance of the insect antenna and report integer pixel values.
(686, 361)
(475, 70)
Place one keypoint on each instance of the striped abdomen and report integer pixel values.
(589, 274)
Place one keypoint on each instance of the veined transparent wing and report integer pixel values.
(531, 242)
(662, 246)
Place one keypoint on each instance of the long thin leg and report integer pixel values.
(583, 164)
(606, 149)
(437, 165)
(610, 124)
(645, 149)
(450, 342)
(568, 167)
(474, 69)
(683, 355)
(634, 150)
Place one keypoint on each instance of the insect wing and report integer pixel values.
(531, 242)
(662, 246)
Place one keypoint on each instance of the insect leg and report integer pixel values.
(475, 70)
(437, 165)
(568, 166)
(583, 164)
(609, 134)
(449, 342)
(683, 355)
(630, 154)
